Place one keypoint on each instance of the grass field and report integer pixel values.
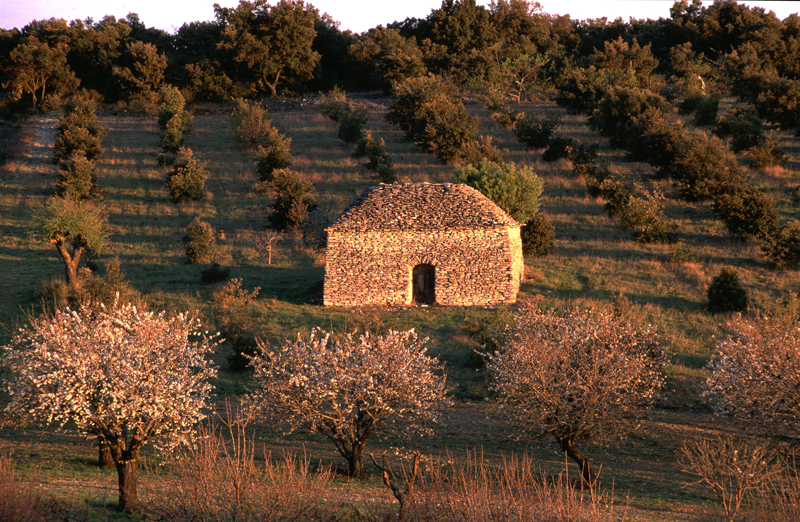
(594, 263)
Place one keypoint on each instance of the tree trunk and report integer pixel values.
(70, 262)
(127, 471)
(104, 458)
(569, 448)
(354, 461)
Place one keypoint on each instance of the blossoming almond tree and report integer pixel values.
(122, 374)
(348, 387)
(579, 376)
(756, 377)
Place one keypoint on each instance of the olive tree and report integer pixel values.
(756, 376)
(73, 227)
(579, 376)
(124, 375)
(347, 387)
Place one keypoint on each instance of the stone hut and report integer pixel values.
(423, 243)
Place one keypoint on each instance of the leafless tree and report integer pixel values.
(580, 376)
(265, 241)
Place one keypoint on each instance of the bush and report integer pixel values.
(585, 87)
(232, 306)
(253, 123)
(782, 249)
(334, 104)
(647, 215)
(582, 159)
(534, 132)
(725, 293)
(617, 194)
(379, 162)
(477, 151)
(78, 177)
(743, 126)
(537, 236)
(747, 212)
(78, 130)
(768, 154)
(704, 107)
(187, 180)
(291, 200)
(704, 167)
(276, 155)
(515, 190)
(680, 253)
(351, 123)
(430, 112)
(617, 109)
(172, 135)
(216, 273)
(653, 139)
(565, 148)
(173, 104)
(108, 288)
(597, 180)
(198, 241)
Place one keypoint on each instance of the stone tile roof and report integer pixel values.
(421, 206)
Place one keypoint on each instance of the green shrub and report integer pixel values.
(537, 236)
(515, 190)
(291, 200)
(782, 248)
(334, 104)
(583, 158)
(110, 287)
(172, 135)
(215, 273)
(726, 294)
(274, 156)
(187, 180)
(583, 88)
(78, 177)
(565, 148)
(704, 107)
(231, 305)
(747, 212)
(253, 123)
(379, 162)
(646, 215)
(653, 139)
(704, 167)
(598, 175)
(351, 123)
(534, 132)
(617, 109)
(430, 112)
(680, 253)
(768, 154)
(475, 152)
(743, 126)
(617, 194)
(173, 104)
(78, 130)
(198, 241)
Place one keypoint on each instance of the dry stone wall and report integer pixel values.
(472, 266)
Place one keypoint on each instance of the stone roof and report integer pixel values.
(421, 206)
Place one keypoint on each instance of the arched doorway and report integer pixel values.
(423, 281)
